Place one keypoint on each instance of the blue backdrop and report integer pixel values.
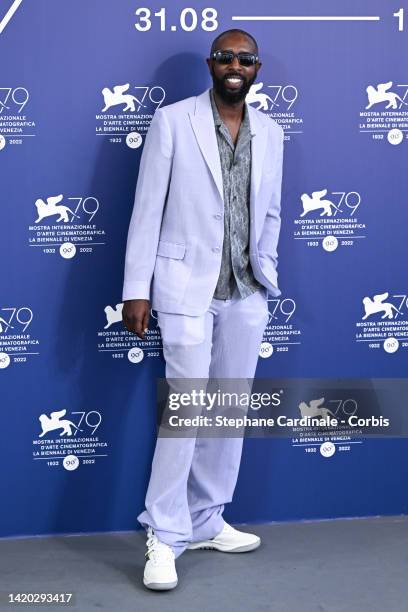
(78, 87)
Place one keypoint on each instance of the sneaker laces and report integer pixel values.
(158, 552)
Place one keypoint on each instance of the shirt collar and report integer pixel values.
(217, 118)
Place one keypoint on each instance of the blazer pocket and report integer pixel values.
(175, 250)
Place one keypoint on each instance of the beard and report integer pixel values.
(231, 96)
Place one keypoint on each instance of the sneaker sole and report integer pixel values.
(237, 549)
(160, 586)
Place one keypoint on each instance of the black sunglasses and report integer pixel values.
(226, 57)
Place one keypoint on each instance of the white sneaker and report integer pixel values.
(229, 540)
(160, 569)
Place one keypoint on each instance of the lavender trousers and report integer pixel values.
(193, 478)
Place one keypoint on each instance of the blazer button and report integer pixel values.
(216, 249)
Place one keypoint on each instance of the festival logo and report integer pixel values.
(384, 322)
(16, 122)
(279, 102)
(329, 221)
(115, 340)
(327, 439)
(17, 342)
(282, 333)
(69, 441)
(386, 112)
(66, 226)
(126, 112)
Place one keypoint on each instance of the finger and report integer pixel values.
(127, 324)
(146, 321)
(139, 328)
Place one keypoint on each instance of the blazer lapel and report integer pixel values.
(202, 122)
(258, 149)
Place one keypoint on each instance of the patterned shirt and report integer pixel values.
(236, 268)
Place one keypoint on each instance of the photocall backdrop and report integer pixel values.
(80, 82)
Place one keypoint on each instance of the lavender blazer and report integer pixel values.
(174, 242)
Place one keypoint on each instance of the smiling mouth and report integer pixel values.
(234, 81)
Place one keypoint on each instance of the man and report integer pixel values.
(202, 245)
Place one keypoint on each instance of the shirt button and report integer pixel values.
(218, 216)
(216, 249)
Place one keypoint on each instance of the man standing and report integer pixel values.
(202, 246)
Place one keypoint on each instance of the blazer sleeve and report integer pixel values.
(150, 198)
(268, 243)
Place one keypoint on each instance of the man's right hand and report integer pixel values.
(135, 316)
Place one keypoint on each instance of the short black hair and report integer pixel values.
(214, 46)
